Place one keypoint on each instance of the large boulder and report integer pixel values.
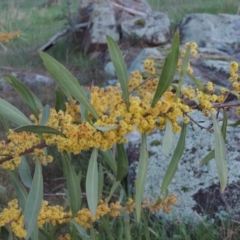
(153, 29)
(132, 18)
(99, 26)
(220, 31)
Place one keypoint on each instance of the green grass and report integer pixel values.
(38, 23)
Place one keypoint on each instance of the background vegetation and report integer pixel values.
(38, 21)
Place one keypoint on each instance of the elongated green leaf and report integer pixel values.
(60, 101)
(107, 229)
(168, 139)
(12, 113)
(4, 234)
(106, 128)
(183, 71)
(109, 159)
(208, 158)
(197, 82)
(34, 200)
(36, 99)
(35, 234)
(127, 229)
(120, 67)
(38, 129)
(73, 233)
(4, 123)
(237, 123)
(114, 187)
(141, 175)
(172, 168)
(67, 82)
(93, 233)
(220, 154)
(24, 172)
(122, 162)
(92, 183)
(25, 94)
(45, 115)
(2, 189)
(211, 155)
(168, 70)
(146, 230)
(19, 189)
(100, 181)
(80, 229)
(224, 125)
(73, 185)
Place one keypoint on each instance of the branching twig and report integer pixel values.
(30, 150)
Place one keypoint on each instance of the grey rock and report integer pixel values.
(217, 66)
(151, 53)
(191, 181)
(31, 80)
(109, 69)
(152, 29)
(100, 16)
(221, 32)
(103, 23)
(112, 82)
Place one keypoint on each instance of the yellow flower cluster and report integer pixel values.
(65, 237)
(52, 214)
(135, 81)
(114, 121)
(193, 51)
(41, 155)
(149, 66)
(235, 77)
(5, 37)
(164, 204)
(13, 217)
(204, 101)
(17, 144)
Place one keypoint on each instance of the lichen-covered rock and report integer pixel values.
(192, 182)
(220, 31)
(153, 29)
(101, 22)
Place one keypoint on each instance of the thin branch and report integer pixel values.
(225, 105)
(129, 10)
(30, 150)
(52, 41)
(195, 122)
